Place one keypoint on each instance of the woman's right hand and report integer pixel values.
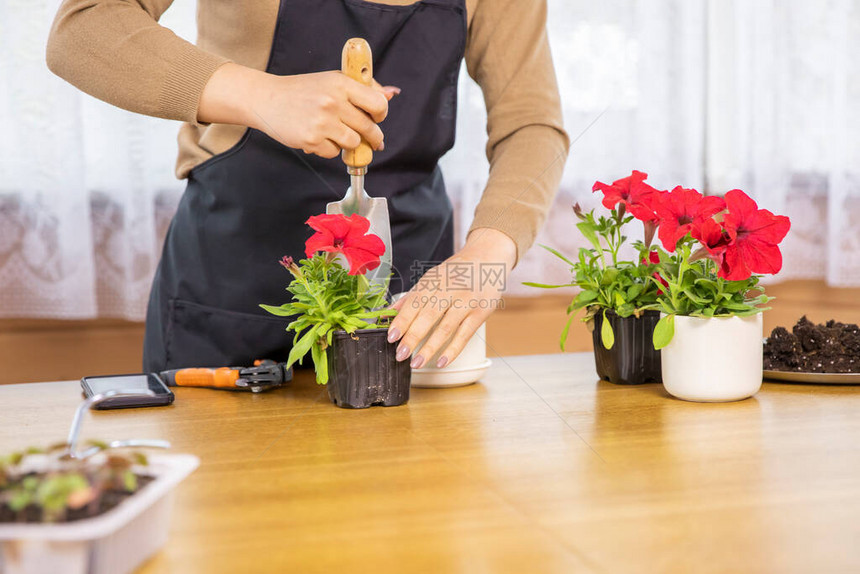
(319, 113)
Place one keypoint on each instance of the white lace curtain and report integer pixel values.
(758, 94)
(86, 190)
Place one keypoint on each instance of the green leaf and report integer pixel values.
(608, 276)
(559, 255)
(748, 312)
(129, 481)
(585, 297)
(712, 285)
(634, 291)
(320, 364)
(760, 300)
(375, 314)
(625, 310)
(692, 296)
(607, 337)
(664, 331)
(302, 346)
(544, 285)
(619, 299)
(282, 311)
(585, 255)
(53, 492)
(735, 286)
(589, 231)
(19, 500)
(352, 324)
(99, 444)
(734, 306)
(565, 331)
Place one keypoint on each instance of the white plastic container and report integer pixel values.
(115, 542)
(714, 360)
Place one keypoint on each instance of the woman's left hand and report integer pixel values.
(456, 296)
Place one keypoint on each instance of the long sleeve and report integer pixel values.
(508, 55)
(116, 51)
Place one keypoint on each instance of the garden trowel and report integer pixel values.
(357, 63)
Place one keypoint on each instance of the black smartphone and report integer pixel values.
(101, 384)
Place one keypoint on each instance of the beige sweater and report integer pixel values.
(116, 51)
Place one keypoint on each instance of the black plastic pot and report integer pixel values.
(632, 360)
(363, 372)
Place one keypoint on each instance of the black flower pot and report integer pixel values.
(632, 360)
(363, 372)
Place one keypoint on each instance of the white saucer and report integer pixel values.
(440, 378)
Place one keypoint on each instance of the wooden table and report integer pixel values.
(541, 468)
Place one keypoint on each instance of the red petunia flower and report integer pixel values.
(755, 234)
(337, 233)
(633, 193)
(712, 235)
(681, 210)
(715, 240)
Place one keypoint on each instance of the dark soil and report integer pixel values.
(109, 500)
(829, 348)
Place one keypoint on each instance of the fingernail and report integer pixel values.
(393, 334)
(396, 90)
(402, 352)
(381, 146)
(443, 360)
(417, 361)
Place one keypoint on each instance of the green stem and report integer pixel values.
(616, 244)
(683, 265)
(319, 300)
(602, 259)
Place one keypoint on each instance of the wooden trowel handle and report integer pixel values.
(357, 63)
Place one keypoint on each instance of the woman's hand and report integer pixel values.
(318, 113)
(456, 296)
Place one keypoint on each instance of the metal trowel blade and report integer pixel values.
(375, 209)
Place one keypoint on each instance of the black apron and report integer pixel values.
(246, 208)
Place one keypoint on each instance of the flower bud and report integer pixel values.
(290, 266)
(650, 229)
(703, 253)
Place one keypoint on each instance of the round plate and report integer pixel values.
(440, 378)
(815, 378)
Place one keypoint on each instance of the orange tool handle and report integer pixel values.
(201, 377)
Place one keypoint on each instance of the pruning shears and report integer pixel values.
(263, 376)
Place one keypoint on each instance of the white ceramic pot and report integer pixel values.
(714, 360)
(115, 542)
(469, 366)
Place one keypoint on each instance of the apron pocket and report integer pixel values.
(202, 336)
